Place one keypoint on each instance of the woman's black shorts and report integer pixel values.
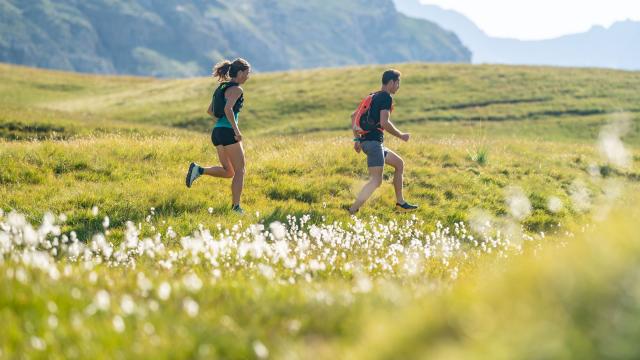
(223, 136)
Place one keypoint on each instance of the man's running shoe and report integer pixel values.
(194, 172)
(406, 207)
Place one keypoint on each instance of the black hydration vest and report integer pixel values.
(219, 101)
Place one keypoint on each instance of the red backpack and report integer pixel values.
(361, 122)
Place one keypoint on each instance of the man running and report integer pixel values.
(378, 118)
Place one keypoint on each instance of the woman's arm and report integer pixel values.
(232, 95)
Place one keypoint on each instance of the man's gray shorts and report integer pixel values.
(375, 153)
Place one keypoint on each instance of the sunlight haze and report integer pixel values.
(541, 19)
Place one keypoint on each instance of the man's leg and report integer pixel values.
(397, 163)
(375, 180)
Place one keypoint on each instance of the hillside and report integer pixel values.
(613, 47)
(117, 129)
(526, 232)
(182, 38)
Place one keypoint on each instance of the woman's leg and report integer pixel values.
(398, 164)
(226, 170)
(375, 180)
(236, 156)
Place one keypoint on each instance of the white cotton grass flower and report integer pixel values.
(164, 291)
(580, 196)
(16, 220)
(38, 343)
(93, 278)
(518, 203)
(267, 271)
(210, 210)
(102, 300)
(118, 324)
(554, 204)
(278, 230)
(260, 350)
(363, 284)
(191, 307)
(144, 284)
(284, 252)
(52, 321)
(105, 222)
(127, 305)
(94, 211)
(513, 231)
(192, 282)
(610, 143)
(21, 275)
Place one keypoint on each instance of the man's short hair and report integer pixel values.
(390, 75)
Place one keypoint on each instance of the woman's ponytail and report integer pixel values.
(226, 69)
(221, 70)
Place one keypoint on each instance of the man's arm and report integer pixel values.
(385, 122)
(355, 133)
(356, 144)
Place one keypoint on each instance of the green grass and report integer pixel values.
(70, 142)
(127, 140)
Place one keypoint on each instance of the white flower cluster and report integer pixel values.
(286, 252)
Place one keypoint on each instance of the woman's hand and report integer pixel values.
(357, 146)
(238, 136)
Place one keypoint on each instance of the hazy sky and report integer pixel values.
(541, 19)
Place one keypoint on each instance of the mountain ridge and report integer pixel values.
(184, 38)
(615, 46)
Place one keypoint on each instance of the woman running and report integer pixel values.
(226, 104)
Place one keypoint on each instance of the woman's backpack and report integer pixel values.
(219, 101)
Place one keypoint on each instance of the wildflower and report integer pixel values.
(164, 291)
(118, 324)
(190, 307)
(127, 305)
(38, 343)
(554, 204)
(260, 349)
(192, 282)
(102, 300)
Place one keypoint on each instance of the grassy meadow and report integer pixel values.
(105, 253)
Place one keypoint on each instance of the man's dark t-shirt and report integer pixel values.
(381, 101)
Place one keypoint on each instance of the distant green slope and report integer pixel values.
(512, 101)
(179, 38)
(127, 141)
